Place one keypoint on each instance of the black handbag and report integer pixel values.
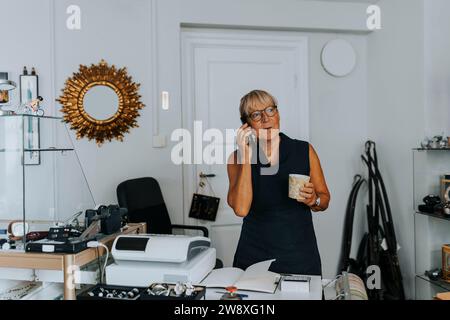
(203, 206)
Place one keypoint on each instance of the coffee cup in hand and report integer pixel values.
(296, 182)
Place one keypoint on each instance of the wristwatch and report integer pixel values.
(317, 203)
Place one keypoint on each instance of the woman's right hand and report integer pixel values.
(242, 139)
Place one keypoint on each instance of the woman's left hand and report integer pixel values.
(308, 195)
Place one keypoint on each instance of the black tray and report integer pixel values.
(198, 294)
(50, 246)
(92, 292)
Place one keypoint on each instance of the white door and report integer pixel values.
(218, 68)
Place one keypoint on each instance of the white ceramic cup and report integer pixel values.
(296, 181)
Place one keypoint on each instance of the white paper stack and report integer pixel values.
(296, 283)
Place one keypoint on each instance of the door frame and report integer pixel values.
(193, 38)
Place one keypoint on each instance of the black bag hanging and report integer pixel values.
(203, 206)
(379, 244)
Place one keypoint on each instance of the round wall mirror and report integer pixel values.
(101, 102)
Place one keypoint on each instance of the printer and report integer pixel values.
(140, 260)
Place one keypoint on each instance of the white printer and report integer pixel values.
(147, 258)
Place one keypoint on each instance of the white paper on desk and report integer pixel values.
(257, 277)
(258, 269)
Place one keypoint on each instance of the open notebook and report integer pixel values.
(257, 277)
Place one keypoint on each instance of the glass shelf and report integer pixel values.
(431, 149)
(30, 116)
(431, 231)
(439, 283)
(41, 178)
(48, 149)
(37, 150)
(428, 170)
(435, 215)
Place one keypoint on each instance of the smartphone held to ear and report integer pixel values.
(252, 137)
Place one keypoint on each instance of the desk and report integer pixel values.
(68, 263)
(315, 293)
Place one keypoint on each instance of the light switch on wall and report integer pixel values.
(165, 100)
(159, 141)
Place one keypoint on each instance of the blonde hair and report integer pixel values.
(253, 98)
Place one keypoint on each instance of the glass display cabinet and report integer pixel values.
(41, 179)
(431, 227)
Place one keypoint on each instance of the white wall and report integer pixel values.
(396, 112)
(338, 130)
(31, 46)
(337, 106)
(437, 64)
(432, 233)
(394, 97)
(121, 32)
(118, 31)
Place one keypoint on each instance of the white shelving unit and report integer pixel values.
(431, 231)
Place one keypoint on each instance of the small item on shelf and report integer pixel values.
(432, 200)
(435, 274)
(446, 262)
(446, 209)
(431, 204)
(17, 229)
(112, 218)
(36, 235)
(445, 187)
(32, 107)
(425, 143)
(6, 246)
(62, 234)
(437, 142)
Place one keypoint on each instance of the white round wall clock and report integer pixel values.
(338, 58)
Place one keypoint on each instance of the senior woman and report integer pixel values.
(275, 226)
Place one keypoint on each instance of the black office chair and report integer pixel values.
(145, 203)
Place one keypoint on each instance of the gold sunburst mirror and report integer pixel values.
(100, 102)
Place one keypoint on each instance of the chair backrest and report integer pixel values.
(145, 203)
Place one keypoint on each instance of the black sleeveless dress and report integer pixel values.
(278, 227)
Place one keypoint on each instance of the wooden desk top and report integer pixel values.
(55, 261)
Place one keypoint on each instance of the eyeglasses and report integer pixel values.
(269, 111)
